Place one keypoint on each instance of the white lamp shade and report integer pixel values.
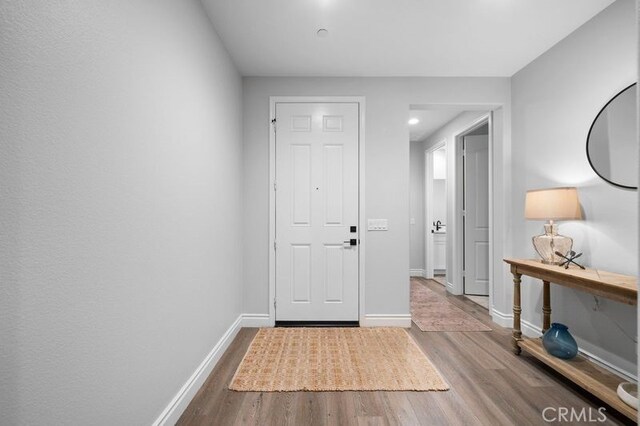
(552, 204)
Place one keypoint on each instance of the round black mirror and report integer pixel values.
(612, 143)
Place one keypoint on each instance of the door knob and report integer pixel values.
(351, 242)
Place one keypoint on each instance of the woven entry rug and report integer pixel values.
(432, 312)
(335, 359)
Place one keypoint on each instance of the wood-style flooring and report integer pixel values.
(489, 386)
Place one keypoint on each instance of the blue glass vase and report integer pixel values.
(559, 342)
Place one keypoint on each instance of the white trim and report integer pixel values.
(181, 400)
(449, 287)
(386, 320)
(256, 320)
(503, 320)
(416, 273)
(360, 100)
(531, 330)
(630, 377)
(428, 205)
(456, 236)
(361, 207)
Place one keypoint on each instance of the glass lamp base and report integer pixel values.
(547, 244)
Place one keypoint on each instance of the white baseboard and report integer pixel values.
(531, 330)
(503, 320)
(449, 287)
(256, 320)
(629, 377)
(386, 320)
(416, 272)
(181, 400)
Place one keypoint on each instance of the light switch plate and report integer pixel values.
(377, 225)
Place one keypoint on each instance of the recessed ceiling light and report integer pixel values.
(413, 121)
(322, 33)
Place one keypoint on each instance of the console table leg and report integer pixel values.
(546, 306)
(517, 309)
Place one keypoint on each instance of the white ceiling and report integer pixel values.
(393, 37)
(430, 121)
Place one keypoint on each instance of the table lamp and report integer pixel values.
(552, 204)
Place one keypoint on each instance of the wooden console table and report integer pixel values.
(621, 288)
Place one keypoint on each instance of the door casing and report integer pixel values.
(273, 100)
(458, 238)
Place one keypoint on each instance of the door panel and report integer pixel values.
(476, 187)
(301, 183)
(301, 273)
(333, 273)
(316, 203)
(333, 183)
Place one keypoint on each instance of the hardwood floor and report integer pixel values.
(489, 386)
(479, 300)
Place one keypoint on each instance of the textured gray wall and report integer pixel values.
(120, 171)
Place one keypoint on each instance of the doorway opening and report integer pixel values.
(436, 212)
(473, 193)
(447, 126)
(430, 146)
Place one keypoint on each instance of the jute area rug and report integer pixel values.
(335, 359)
(432, 312)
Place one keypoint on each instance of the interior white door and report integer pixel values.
(316, 206)
(476, 221)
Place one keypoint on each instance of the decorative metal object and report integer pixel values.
(569, 258)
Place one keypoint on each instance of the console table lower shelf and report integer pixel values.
(584, 373)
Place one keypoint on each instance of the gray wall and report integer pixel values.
(121, 171)
(388, 102)
(416, 209)
(555, 99)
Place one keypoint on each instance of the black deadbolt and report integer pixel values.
(354, 229)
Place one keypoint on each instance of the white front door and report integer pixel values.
(476, 222)
(316, 208)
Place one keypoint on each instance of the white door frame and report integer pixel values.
(458, 237)
(428, 206)
(360, 100)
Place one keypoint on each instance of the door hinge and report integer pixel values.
(274, 303)
(275, 245)
(273, 122)
(275, 186)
